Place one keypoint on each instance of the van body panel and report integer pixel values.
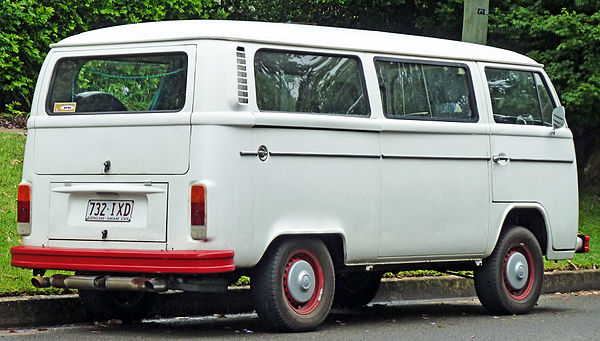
(445, 178)
(142, 206)
(305, 36)
(291, 187)
(125, 147)
(541, 168)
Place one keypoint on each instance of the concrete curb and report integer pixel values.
(64, 309)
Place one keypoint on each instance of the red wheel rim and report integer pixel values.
(521, 293)
(313, 302)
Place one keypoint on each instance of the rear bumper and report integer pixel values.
(110, 260)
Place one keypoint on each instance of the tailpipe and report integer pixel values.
(156, 284)
(41, 282)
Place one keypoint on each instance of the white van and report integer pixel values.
(181, 155)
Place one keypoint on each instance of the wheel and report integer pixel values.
(292, 286)
(510, 279)
(355, 289)
(122, 305)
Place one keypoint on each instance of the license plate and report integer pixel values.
(109, 210)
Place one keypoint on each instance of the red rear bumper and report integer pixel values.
(110, 260)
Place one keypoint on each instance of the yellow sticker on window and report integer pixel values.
(65, 107)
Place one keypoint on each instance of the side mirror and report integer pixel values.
(558, 117)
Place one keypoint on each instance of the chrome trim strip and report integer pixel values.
(433, 157)
(300, 154)
(542, 160)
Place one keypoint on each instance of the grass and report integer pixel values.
(16, 281)
(13, 281)
(11, 165)
(589, 224)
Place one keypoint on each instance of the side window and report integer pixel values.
(425, 91)
(519, 97)
(104, 84)
(309, 83)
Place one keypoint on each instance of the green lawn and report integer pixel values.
(11, 165)
(14, 281)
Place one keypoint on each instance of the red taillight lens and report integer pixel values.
(24, 204)
(198, 215)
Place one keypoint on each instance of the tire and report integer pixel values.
(122, 305)
(510, 279)
(293, 285)
(355, 289)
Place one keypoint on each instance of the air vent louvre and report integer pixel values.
(242, 76)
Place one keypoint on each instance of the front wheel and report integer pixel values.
(292, 286)
(510, 279)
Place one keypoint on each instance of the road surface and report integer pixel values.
(557, 317)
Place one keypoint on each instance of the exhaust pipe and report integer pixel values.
(126, 283)
(40, 282)
(156, 284)
(79, 282)
(101, 283)
(66, 281)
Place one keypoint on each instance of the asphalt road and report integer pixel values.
(557, 317)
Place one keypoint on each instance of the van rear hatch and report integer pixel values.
(112, 122)
(116, 114)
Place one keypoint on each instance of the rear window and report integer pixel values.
(117, 84)
(309, 83)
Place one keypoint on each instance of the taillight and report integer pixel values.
(198, 212)
(24, 204)
(198, 216)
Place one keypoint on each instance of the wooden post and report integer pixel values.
(475, 21)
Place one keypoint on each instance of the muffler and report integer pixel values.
(135, 284)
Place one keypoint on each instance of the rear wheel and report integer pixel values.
(510, 279)
(355, 289)
(293, 285)
(122, 305)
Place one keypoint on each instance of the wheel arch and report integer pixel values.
(334, 241)
(532, 217)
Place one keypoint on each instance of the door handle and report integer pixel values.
(500, 158)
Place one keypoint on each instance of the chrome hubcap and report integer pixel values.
(517, 270)
(301, 281)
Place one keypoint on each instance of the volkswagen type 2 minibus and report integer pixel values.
(177, 156)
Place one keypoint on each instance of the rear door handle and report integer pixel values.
(500, 158)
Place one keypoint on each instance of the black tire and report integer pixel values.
(121, 305)
(284, 305)
(355, 289)
(510, 279)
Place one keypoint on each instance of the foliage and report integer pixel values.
(565, 36)
(29, 27)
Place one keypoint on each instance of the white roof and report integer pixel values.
(295, 35)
